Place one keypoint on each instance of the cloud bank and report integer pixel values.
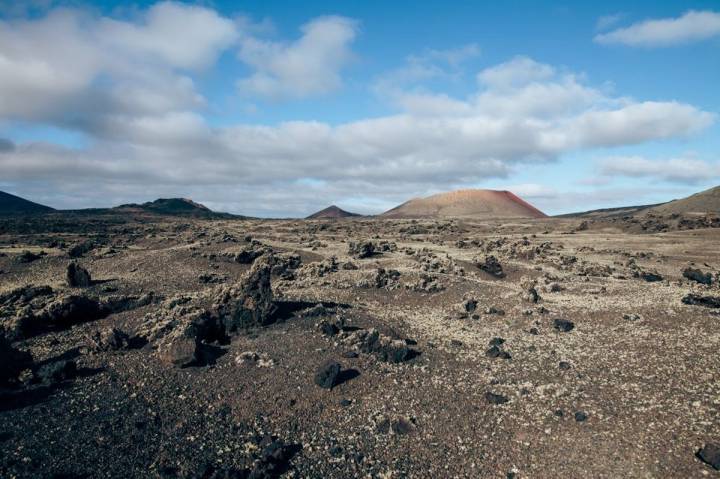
(129, 86)
(692, 26)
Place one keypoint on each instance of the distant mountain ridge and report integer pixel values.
(472, 203)
(332, 212)
(11, 204)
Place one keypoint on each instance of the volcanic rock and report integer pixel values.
(13, 361)
(698, 300)
(710, 454)
(361, 249)
(327, 375)
(77, 277)
(492, 266)
(109, 339)
(57, 372)
(563, 325)
(496, 399)
(698, 276)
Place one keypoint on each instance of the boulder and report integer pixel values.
(710, 455)
(77, 277)
(109, 339)
(495, 399)
(13, 361)
(698, 300)
(698, 276)
(328, 374)
(57, 372)
(361, 249)
(563, 325)
(492, 266)
(248, 304)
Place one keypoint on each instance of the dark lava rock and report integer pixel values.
(361, 249)
(564, 365)
(274, 459)
(697, 276)
(497, 352)
(249, 305)
(327, 375)
(77, 277)
(73, 309)
(79, 250)
(385, 277)
(56, 372)
(28, 257)
(492, 265)
(497, 342)
(184, 333)
(563, 325)
(401, 427)
(697, 300)
(329, 329)
(350, 354)
(182, 350)
(316, 311)
(470, 305)
(12, 361)
(581, 416)
(493, 398)
(345, 402)
(710, 454)
(650, 277)
(110, 339)
(212, 472)
(370, 341)
(248, 255)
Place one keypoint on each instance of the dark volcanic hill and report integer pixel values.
(481, 204)
(332, 212)
(11, 204)
(174, 207)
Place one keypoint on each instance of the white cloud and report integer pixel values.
(178, 35)
(607, 21)
(71, 66)
(309, 66)
(518, 72)
(690, 27)
(677, 170)
(454, 56)
(403, 85)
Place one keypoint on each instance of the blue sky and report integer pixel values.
(281, 108)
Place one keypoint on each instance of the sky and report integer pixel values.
(279, 109)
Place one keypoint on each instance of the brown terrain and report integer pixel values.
(481, 204)
(139, 343)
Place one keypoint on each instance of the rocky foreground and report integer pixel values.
(156, 347)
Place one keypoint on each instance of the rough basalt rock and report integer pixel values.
(698, 276)
(385, 348)
(12, 361)
(109, 339)
(77, 277)
(362, 249)
(183, 325)
(492, 266)
(328, 374)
